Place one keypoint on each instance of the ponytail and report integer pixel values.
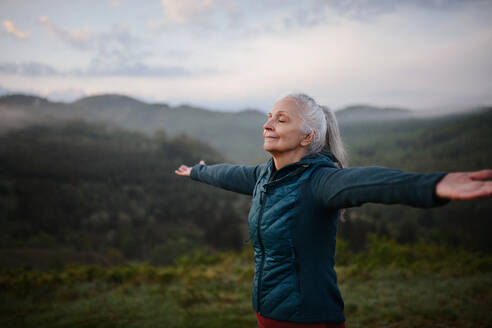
(333, 141)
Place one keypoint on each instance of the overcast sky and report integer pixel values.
(233, 54)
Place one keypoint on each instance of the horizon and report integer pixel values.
(197, 106)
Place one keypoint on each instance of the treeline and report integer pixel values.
(94, 188)
(88, 192)
(458, 142)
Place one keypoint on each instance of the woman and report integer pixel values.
(297, 199)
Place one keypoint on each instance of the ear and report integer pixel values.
(307, 139)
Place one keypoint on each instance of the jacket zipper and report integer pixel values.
(262, 202)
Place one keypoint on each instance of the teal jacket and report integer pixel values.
(293, 223)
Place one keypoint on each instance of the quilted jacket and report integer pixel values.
(293, 223)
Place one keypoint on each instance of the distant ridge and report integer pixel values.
(238, 135)
(371, 113)
(23, 100)
(109, 100)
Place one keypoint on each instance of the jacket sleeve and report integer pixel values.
(342, 188)
(238, 178)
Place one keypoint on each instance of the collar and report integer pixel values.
(324, 156)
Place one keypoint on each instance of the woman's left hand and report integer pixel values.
(465, 185)
(185, 171)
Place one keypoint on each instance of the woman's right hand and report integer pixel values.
(465, 185)
(184, 170)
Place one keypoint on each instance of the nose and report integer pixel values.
(268, 125)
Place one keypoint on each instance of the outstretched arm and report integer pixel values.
(341, 188)
(465, 185)
(238, 178)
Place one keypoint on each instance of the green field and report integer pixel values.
(389, 286)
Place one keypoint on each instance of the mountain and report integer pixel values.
(109, 101)
(236, 134)
(365, 113)
(23, 100)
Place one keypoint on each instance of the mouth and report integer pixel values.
(268, 136)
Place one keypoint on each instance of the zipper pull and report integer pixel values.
(263, 192)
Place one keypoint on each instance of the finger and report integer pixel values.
(181, 173)
(484, 191)
(481, 175)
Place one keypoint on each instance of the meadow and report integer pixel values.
(390, 285)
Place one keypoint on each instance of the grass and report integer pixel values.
(393, 298)
(214, 291)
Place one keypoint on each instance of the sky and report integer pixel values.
(235, 54)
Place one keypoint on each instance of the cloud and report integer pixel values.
(116, 52)
(183, 11)
(117, 41)
(81, 38)
(36, 69)
(114, 3)
(175, 53)
(243, 18)
(202, 13)
(320, 11)
(113, 51)
(13, 31)
(27, 69)
(137, 70)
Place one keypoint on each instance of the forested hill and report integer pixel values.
(460, 141)
(81, 187)
(78, 160)
(455, 142)
(237, 135)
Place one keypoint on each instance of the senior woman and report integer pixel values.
(297, 200)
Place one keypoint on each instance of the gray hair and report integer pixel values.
(322, 120)
(333, 137)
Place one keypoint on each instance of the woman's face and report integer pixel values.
(282, 130)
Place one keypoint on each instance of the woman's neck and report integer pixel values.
(285, 158)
